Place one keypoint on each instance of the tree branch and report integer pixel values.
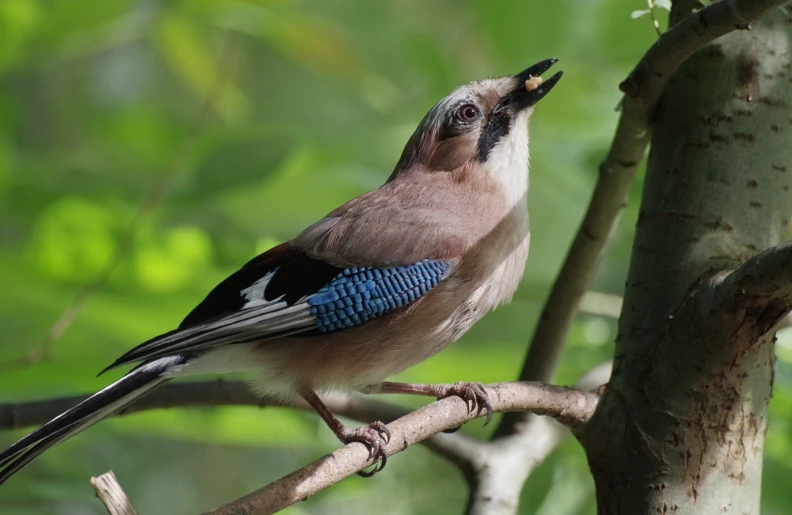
(760, 289)
(642, 89)
(501, 471)
(569, 406)
(766, 275)
(191, 394)
(457, 448)
(217, 392)
(476, 459)
(109, 491)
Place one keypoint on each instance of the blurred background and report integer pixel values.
(112, 111)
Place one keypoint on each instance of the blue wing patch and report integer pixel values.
(360, 294)
(351, 297)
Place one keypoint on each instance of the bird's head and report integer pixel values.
(480, 126)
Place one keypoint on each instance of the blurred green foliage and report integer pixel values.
(99, 97)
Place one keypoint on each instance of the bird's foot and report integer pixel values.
(375, 437)
(474, 395)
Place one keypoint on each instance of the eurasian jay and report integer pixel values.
(383, 282)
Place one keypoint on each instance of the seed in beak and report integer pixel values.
(532, 83)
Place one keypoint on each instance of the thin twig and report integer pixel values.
(653, 16)
(642, 90)
(193, 394)
(569, 406)
(109, 491)
(154, 198)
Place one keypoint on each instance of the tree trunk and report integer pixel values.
(680, 428)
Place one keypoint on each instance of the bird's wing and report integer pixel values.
(286, 291)
(397, 224)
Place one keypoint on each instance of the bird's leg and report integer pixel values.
(374, 436)
(473, 394)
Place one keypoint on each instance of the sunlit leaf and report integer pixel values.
(170, 261)
(73, 239)
(19, 20)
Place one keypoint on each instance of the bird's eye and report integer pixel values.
(468, 113)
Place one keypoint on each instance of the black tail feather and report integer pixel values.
(87, 413)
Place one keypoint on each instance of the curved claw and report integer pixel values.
(375, 437)
(474, 395)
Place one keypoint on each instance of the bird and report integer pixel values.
(383, 282)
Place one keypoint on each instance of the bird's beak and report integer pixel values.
(530, 89)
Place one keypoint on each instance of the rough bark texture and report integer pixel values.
(681, 426)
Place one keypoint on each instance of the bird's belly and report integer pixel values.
(358, 357)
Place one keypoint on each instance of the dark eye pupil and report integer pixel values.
(468, 112)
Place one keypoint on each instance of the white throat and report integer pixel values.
(508, 162)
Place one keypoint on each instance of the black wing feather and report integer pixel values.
(298, 275)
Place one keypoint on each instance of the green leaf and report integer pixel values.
(171, 261)
(73, 239)
(19, 22)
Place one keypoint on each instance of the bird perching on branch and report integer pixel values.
(380, 284)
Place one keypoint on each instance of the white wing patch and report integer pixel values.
(254, 294)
